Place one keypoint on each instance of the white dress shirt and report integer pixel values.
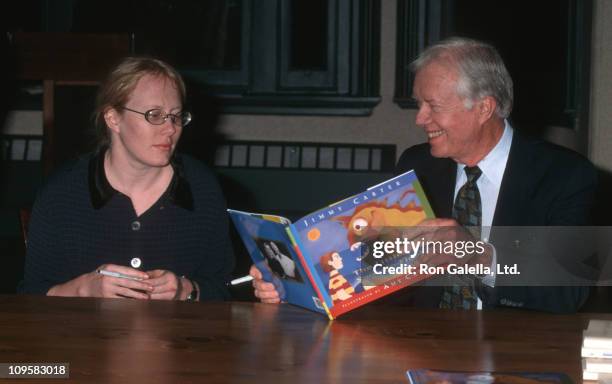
(492, 166)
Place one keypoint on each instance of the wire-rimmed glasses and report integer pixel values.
(156, 116)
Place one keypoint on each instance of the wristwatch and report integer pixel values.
(193, 295)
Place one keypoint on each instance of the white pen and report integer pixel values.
(117, 274)
(241, 280)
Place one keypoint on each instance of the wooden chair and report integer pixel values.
(65, 59)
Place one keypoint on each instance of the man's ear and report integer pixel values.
(486, 108)
(112, 117)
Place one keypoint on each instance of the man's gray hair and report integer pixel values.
(480, 68)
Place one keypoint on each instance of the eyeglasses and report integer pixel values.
(157, 117)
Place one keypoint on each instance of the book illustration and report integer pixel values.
(379, 220)
(276, 256)
(351, 227)
(326, 258)
(339, 287)
(428, 376)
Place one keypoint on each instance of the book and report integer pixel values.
(598, 365)
(428, 376)
(598, 335)
(596, 352)
(595, 376)
(327, 261)
(591, 376)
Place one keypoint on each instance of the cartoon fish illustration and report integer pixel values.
(378, 221)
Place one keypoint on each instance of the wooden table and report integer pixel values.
(122, 340)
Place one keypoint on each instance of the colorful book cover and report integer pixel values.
(428, 376)
(332, 248)
(273, 253)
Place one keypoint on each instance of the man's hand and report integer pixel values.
(448, 230)
(264, 291)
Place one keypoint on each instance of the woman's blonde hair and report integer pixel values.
(116, 89)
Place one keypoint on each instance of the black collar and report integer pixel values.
(100, 190)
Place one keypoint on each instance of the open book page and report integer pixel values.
(337, 241)
(272, 251)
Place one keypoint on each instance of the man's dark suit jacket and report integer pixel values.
(543, 185)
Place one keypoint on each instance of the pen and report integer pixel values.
(117, 274)
(241, 280)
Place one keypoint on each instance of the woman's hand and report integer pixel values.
(266, 292)
(94, 284)
(168, 286)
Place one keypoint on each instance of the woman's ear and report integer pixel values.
(112, 118)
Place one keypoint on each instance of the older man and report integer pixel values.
(478, 172)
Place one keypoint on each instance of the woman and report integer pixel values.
(133, 219)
